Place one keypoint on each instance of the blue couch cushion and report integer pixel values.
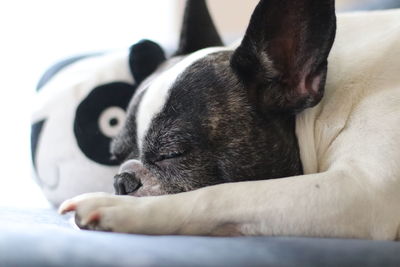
(40, 237)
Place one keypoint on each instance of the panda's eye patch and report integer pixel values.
(100, 117)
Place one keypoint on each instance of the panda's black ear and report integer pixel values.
(144, 58)
(198, 30)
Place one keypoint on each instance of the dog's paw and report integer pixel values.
(102, 211)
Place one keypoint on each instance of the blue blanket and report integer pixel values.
(40, 237)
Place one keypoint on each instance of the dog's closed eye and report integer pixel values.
(168, 156)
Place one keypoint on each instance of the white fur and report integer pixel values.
(350, 148)
(156, 95)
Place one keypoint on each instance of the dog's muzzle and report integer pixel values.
(126, 181)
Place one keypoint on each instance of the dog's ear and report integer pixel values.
(144, 58)
(198, 30)
(283, 56)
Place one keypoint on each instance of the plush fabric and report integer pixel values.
(80, 106)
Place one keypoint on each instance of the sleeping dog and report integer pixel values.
(260, 139)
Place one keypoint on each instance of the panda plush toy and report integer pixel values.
(79, 107)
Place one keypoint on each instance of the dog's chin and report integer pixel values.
(146, 191)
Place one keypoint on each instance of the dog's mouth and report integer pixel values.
(147, 191)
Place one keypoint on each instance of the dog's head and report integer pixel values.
(216, 115)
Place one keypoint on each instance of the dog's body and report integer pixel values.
(348, 146)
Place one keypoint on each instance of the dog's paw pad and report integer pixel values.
(96, 220)
(92, 218)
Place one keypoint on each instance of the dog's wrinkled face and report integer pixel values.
(220, 115)
(206, 130)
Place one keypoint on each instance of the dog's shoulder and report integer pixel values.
(367, 45)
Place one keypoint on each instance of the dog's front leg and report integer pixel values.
(330, 204)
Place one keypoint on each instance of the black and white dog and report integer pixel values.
(241, 141)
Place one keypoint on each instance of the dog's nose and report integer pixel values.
(126, 183)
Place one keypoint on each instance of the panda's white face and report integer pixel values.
(78, 112)
(75, 122)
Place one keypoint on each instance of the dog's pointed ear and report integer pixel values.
(284, 53)
(144, 58)
(198, 30)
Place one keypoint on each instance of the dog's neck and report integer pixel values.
(305, 132)
(350, 77)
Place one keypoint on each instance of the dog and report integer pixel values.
(262, 139)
